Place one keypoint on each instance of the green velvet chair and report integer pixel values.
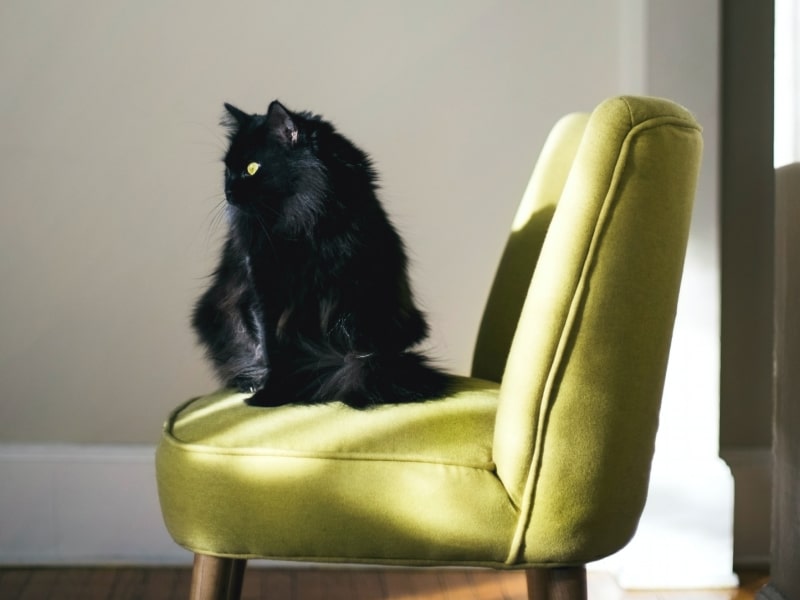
(540, 460)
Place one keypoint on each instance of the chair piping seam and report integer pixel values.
(529, 491)
(187, 448)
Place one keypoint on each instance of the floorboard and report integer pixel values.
(323, 584)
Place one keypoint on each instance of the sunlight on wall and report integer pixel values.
(787, 82)
(685, 536)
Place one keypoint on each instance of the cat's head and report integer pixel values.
(292, 170)
(272, 168)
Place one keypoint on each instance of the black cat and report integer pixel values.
(311, 300)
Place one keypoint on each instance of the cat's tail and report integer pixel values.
(370, 379)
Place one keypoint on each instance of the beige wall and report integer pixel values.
(109, 172)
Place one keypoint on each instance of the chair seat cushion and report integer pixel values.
(331, 483)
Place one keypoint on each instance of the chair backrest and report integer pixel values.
(513, 275)
(581, 389)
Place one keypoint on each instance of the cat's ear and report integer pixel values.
(235, 119)
(280, 124)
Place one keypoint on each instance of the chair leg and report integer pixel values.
(215, 578)
(235, 579)
(558, 583)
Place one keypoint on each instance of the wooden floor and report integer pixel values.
(319, 584)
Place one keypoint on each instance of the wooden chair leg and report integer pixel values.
(559, 583)
(215, 578)
(236, 579)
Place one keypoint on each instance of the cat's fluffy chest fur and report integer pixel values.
(311, 300)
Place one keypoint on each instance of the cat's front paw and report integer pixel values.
(277, 391)
(246, 384)
(267, 397)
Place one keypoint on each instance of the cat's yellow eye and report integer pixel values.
(253, 168)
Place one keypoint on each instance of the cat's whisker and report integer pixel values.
(217, 213)
(215, 219)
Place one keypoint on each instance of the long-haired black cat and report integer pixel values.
(311, 300)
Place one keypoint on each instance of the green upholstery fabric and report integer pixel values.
(586, 368)
(520, 255)
(548, 467)
(405, 483)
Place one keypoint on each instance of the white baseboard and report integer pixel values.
(75, 504)
(752, 474)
